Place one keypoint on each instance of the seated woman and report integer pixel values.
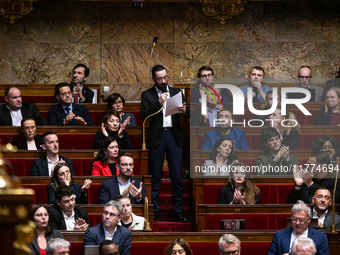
(240, 188)
(62, 176)
(129, 219)
(116, 103)
(105, 162)
(44, 233)
(28, 140)
(112, 126)
(220, 158)
(178, 246)
(331, 114)
(289, 135)
(329, 144)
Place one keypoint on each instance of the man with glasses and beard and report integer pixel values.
(165, 136)
(123, 184)
(301, 217)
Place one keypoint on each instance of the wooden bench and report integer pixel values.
(201, 243)
(38, 184)
(258, 217)
(82, 161)
(40, 93)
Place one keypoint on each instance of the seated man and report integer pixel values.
(303, 246)
(43, 166)
(197, 119)
(276, 160)
(309, 180)
(129, 219)
(28, 140)
(269, 103)
(107, 247)
(283, 239)
(65, 214)
(322, 200)
(67, 113)
(58, 246)
(12, 113)
(229, 244)
(225, 130)
(305, 76)
(123, 184)
(259, 90)
(109, 230)
(206, 76)
(80, 93)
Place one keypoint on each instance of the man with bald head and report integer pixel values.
(12, 113)
(108, 247)
(303, 246)
(322, 200)
(305, 76)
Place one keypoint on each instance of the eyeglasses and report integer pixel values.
(206, 75)
(65, 93)
(304, 77)
(295, 220)
(125, 164)
(117, 103)
(229, 252)
(162, 78)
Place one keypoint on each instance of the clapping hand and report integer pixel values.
(238, 197)
(123, 126)
(87, 184)
(80, 225)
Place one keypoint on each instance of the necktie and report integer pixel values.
(67, 110)
(76, 98)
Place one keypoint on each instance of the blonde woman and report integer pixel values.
(331, 114)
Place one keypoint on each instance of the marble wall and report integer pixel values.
(115, 40)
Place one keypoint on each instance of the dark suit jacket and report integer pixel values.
(27, 109)
(81, 197)
(40, 168)
(57, 218)
(281, 241)
(87, 93)
(329, 220)
(324, 118)
(21, 142)
(122, 238)
(109, 189)
(149, 105)
(34, 244)
(57, 115)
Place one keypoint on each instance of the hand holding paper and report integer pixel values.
(174, 105)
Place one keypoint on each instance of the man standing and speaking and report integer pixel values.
(165, 136)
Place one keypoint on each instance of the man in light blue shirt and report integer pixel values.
(259, 90)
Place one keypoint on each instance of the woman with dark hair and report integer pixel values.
(329, 144)
(240, 188)
(116, 103)
(178, 246)
(330, 115)
(112, 126)
(105, 161)
(44, 232)
(289, 134)
(28, 140)
(62, 176)
(220, 158)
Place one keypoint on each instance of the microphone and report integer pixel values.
(164, 89)
(155, 39)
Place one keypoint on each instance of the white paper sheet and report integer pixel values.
(173, 103)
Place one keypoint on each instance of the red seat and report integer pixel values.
(93, 193)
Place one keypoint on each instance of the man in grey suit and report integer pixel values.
(322, 200)
(305, 76)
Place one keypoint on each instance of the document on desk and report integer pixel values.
(173, 103)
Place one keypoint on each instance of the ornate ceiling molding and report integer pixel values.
(14, 9)
(223, 9)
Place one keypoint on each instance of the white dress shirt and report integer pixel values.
(69, 221)
(167, 121)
